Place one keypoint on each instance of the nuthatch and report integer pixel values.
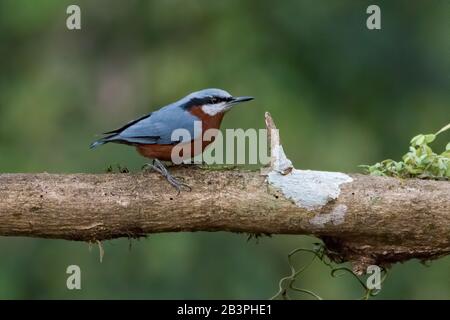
(151, 134)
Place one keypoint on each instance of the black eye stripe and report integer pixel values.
(214, 100)
(206, 100)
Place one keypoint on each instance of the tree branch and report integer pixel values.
(363, 219)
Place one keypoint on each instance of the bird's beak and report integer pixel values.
(237, 100)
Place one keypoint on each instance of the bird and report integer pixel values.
(151, 134)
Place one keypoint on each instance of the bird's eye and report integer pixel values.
(214, 100)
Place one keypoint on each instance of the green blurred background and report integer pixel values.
(341, 95)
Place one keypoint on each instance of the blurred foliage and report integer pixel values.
(420, 161)
(341, 95)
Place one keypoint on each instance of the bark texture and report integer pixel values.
(385, 220)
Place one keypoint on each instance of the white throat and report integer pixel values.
(213, 109)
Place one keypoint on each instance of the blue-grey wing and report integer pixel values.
(158, 127)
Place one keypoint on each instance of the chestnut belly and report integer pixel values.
(164, 151)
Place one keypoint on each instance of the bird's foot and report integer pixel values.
(159, 167)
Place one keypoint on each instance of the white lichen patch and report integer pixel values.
(309, 189)
(336, 216)
(280, 163)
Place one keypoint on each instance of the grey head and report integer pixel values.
(212, 101)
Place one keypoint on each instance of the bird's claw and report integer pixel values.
(159, 167)
(177, 184)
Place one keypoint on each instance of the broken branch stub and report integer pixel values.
(308, 189)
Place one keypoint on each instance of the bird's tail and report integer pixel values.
(101, 141)
(97, 143)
